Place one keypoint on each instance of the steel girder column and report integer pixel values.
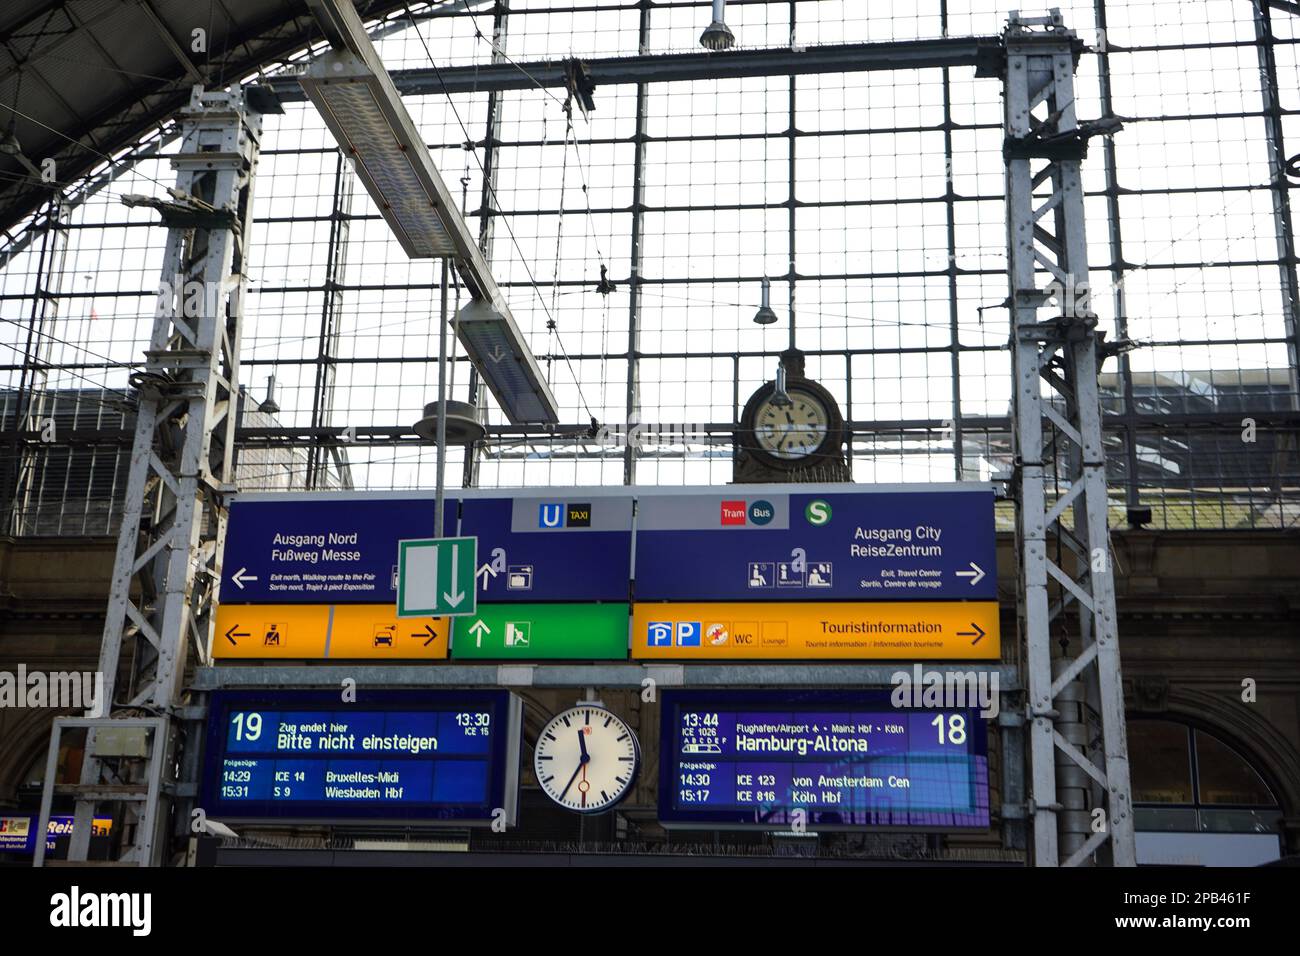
(29, 416)
(632, 403)
(1280, 192)
(487, 212)
(1075, 694)
(320, 454)
(174, 520)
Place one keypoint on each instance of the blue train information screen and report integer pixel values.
(844, 759)
(306, 755)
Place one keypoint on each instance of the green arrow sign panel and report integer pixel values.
(435, 577)
(550, 631)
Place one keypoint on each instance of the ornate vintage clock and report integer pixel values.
(586, 758)
(793, 433)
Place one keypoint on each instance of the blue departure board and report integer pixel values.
(846, 759)
(423, 756)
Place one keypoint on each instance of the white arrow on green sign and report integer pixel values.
(435, 577)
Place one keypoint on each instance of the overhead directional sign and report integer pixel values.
(840, 759)
(428, 756)
(336, 632)
(558, 548)
(745, 544)
(435, 577)
(320, 548)
(542, 631)
(292, 631)
(930, 630)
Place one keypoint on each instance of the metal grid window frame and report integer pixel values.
(924, 407)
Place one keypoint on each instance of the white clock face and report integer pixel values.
(791, 431)
(586, 759)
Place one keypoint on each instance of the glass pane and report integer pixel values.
(1164, 819)
(1162, 771)
(1225, 777)
(1240, 821)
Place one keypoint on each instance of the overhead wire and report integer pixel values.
(550, 319)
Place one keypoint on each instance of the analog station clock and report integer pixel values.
(793, 429)
(586, 758)
(791, 435)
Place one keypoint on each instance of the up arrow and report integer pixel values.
(483, 572)
(478, 629)
(976, 574)
(456, 595)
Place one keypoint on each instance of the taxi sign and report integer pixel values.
(320, 631)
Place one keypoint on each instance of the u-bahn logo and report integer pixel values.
(555, 514)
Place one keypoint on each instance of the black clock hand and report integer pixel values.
(581, 764)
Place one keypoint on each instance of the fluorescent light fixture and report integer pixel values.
(512, 373)
(376, 133)
(362, 108)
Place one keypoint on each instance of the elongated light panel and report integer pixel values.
(351, 101)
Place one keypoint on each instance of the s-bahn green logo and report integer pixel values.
(818, 513)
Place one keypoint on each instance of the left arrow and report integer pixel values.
(240, 576)
(232, 634)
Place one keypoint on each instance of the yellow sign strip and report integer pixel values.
(374, 631)
(322, 631)
(919, 630)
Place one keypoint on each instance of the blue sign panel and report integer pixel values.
(845, 759)
(576, 548)
(855, 546)
(18, 832)
(304, 549)
(406, 755)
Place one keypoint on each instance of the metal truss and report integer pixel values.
(167, 570)
(1079, 798)
(30, 413)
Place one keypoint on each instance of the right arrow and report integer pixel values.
(976, 574)
(978, 633)
(232, 634)
(428, 629)
(478, 629)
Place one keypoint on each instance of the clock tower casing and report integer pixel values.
(753, 463)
